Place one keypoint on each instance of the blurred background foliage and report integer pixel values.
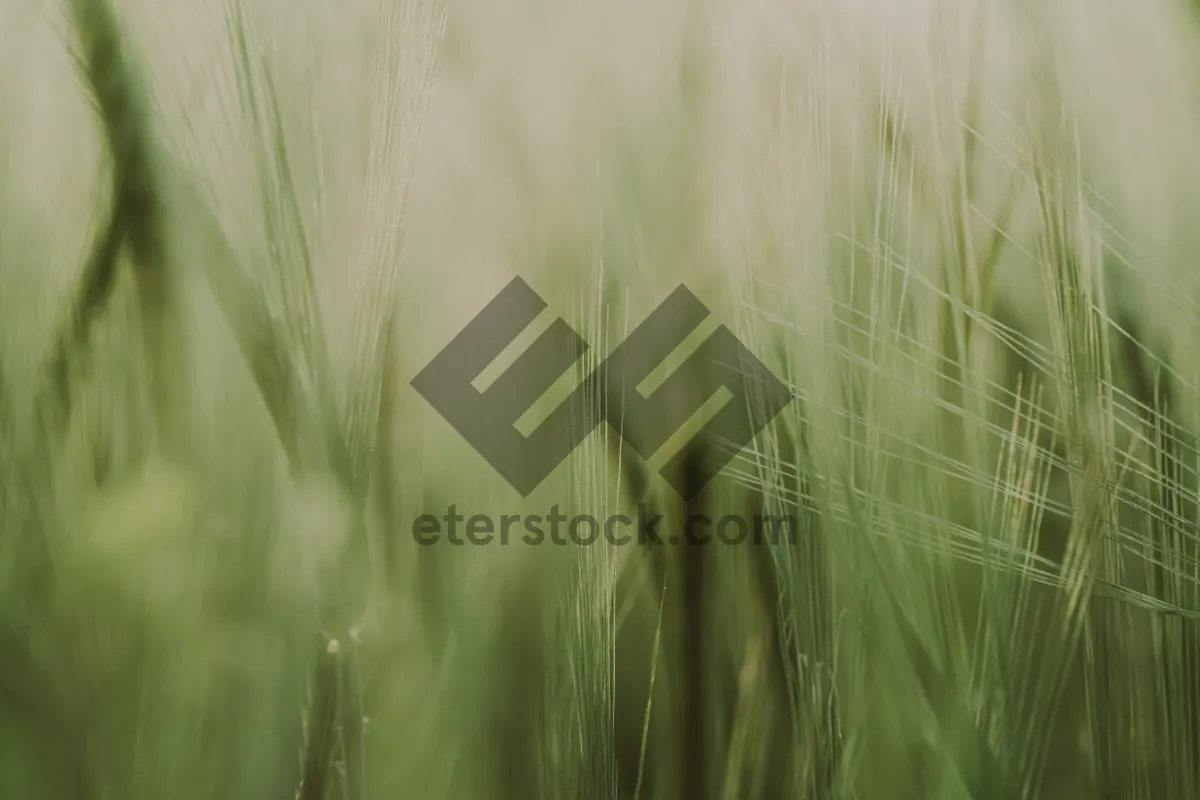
(962, 232)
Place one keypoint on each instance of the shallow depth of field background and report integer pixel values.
(964, 232)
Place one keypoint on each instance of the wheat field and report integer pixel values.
(961, 232)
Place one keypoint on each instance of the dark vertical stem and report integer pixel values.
(637, 775)
(1152, 390)
(694, 718)
(318, 753)
(137, 206)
